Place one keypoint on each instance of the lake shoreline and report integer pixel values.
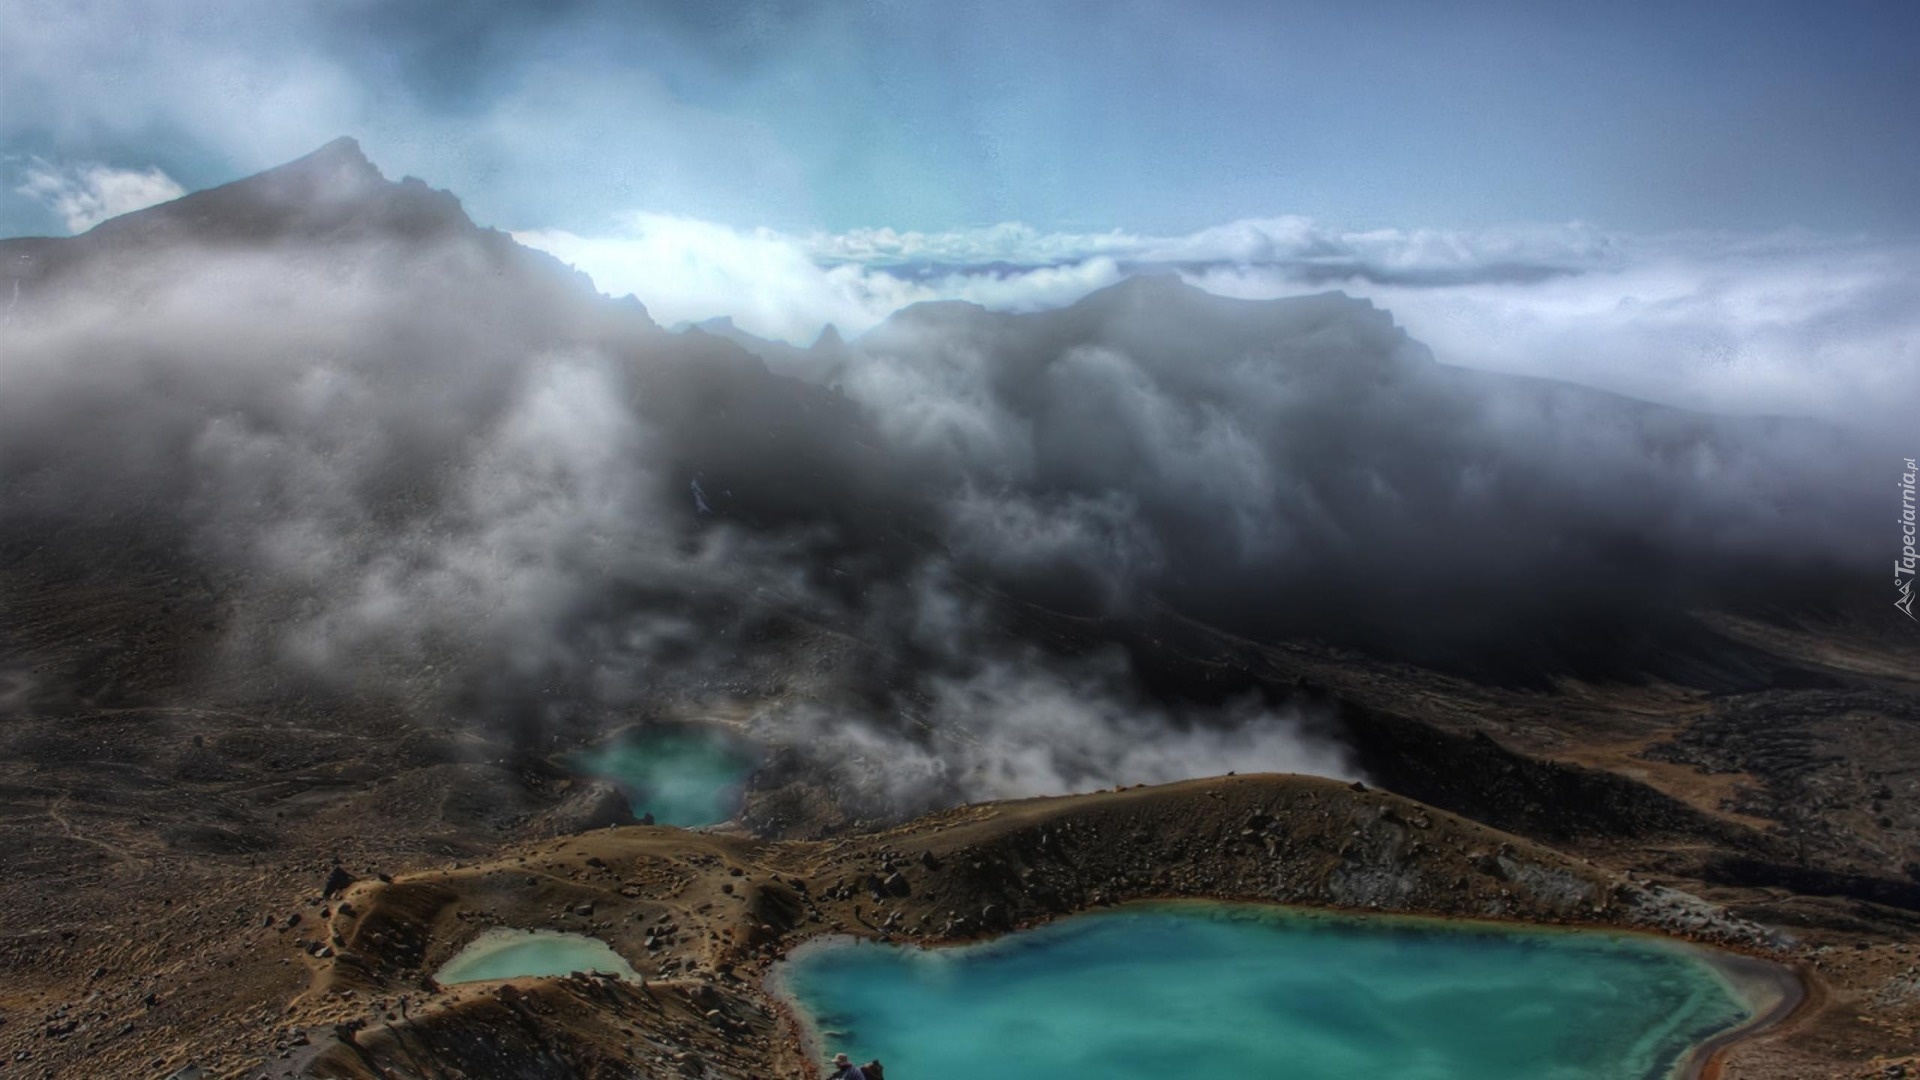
(736, 904)
(1775, 991)
(1791, 992)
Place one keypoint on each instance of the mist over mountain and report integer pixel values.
(416, 460)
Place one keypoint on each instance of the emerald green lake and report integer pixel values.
(683, 776)
(1250, 991)
(516, 954)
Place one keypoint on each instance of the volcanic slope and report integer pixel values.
(333, 523)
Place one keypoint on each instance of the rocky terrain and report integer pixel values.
(706, 914)
(183, 921)
(296, 639)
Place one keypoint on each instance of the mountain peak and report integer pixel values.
(341, 156)
(333, 189)
(829, 339)
(340, 170)
(1154, 283)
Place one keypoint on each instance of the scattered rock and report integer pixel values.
(337, 882)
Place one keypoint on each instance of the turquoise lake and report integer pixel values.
(1249, 991)
(682, 776)
(515, 954)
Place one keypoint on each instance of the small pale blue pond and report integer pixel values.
(518, 954)
(1252, 991)
(687, 776)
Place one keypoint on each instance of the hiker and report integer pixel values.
(845, 1069)
(873, 1070)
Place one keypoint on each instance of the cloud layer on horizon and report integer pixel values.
(1788, 324)
(1791, 323)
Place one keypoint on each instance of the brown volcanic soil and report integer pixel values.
(162, 824)
(704, 915)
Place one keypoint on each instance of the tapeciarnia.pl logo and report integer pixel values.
(1903, 566)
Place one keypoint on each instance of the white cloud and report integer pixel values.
(1010, 242)
(687, 270)
(1787, 325)
(774, 285)
(1792, 324)
(786, 286)
(1293, 240)
(86, 195)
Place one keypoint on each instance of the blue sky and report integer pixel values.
(1148, 117)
